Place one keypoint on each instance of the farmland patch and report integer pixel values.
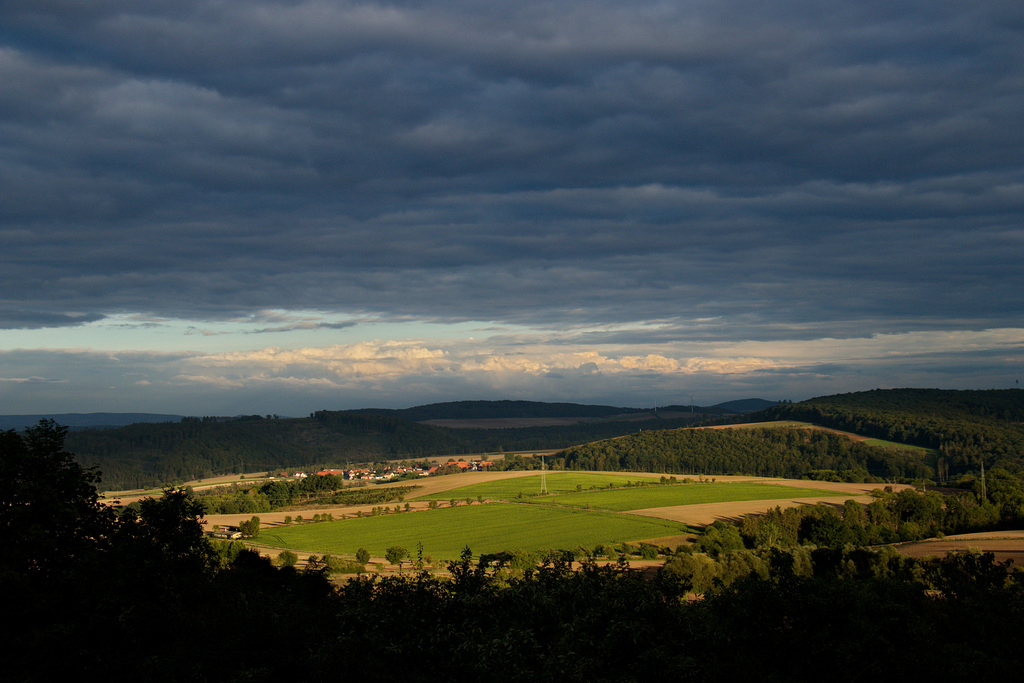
(681, 494)
(557, 482)
(484, 528)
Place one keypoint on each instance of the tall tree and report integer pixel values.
(49, 509)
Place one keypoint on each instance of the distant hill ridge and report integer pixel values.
(159, 449)
(77, 420)
(489, 410)
(461, 410)
(483, 410)
(745, 405)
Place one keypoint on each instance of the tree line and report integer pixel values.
(327, 489)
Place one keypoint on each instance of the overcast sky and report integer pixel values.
(278, 206)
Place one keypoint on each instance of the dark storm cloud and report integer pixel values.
(41, 319)
(734, 169)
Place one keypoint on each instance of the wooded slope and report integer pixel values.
(142, 455)
(966, 429)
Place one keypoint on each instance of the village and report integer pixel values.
(387, 472)
(383, 472)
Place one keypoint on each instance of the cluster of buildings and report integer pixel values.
(387, 472)
(470, 466)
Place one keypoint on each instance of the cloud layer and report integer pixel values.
(616, 180)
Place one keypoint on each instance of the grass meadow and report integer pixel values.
(920, 450)
(557, 482)
(493, 527)
(622, 500)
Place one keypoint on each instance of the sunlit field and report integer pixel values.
(882, 443)
(484, 528)
(680, 494)
(580, 510)
(557, 482)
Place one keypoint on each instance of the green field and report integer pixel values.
(882, 443)
(572, 515)
(557, 482)
(765, 425)
(484, 528)
(621, 500)
(593, 491)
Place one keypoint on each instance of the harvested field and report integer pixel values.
(1005, 545)
(706, 513)
(130, 496)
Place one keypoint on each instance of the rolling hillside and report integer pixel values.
(959, 431)
(140, 455)
(967, 428)
(964, 429)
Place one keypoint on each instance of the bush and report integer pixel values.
(688, 574)
(362, 556)
(395, 554)
(336, 565)
(720, 537)
(648, 551)
(250, 528)
(286, 558)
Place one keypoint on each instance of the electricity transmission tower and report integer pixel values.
(984, 496)
(543, 478)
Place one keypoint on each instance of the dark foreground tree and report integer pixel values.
(144, 594)
(50, 514)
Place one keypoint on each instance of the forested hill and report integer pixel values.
(746, 405)
(967, 427)
(489, 410)
(768, 452)
(483, 410)
(964, 429)
(149, 454)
